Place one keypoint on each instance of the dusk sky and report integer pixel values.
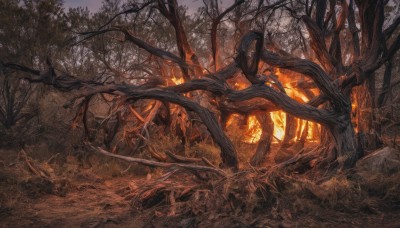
(93, 5)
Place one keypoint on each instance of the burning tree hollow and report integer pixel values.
(282, 97)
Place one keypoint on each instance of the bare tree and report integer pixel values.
(325, 22)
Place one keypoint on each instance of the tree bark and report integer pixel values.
(264, 145)
(290, 130)
(345, 144)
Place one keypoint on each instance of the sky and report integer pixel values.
(94, 5)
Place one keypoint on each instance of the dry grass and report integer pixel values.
(203, 150)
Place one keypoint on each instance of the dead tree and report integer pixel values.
(334, 79)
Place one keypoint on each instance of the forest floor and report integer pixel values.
(34, 193)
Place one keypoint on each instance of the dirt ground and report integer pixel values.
(72, 200)
(76, 197)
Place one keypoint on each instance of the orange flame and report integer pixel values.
(279, 119)
(254, 130)
(177, 80)
(354, 113)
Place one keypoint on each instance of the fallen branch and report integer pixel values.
(137, 115)
(160, 164)
(181, 158)
(35, 171)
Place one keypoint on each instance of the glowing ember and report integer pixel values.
(354, 112)
(231, 119)
(240, 85)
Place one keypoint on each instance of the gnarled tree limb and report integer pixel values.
(310, 69)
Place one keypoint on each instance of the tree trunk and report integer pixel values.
(339, 145)
(264, 145)
(345, 147)
(366, 119)
(290, 131)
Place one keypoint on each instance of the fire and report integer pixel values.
(290, 90)
(241, 84)
(354, 113)
(254, 131)
(293, 93)
(177, 80)
(231, 119)
(279, 119)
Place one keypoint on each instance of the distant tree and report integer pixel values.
(30, 32)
